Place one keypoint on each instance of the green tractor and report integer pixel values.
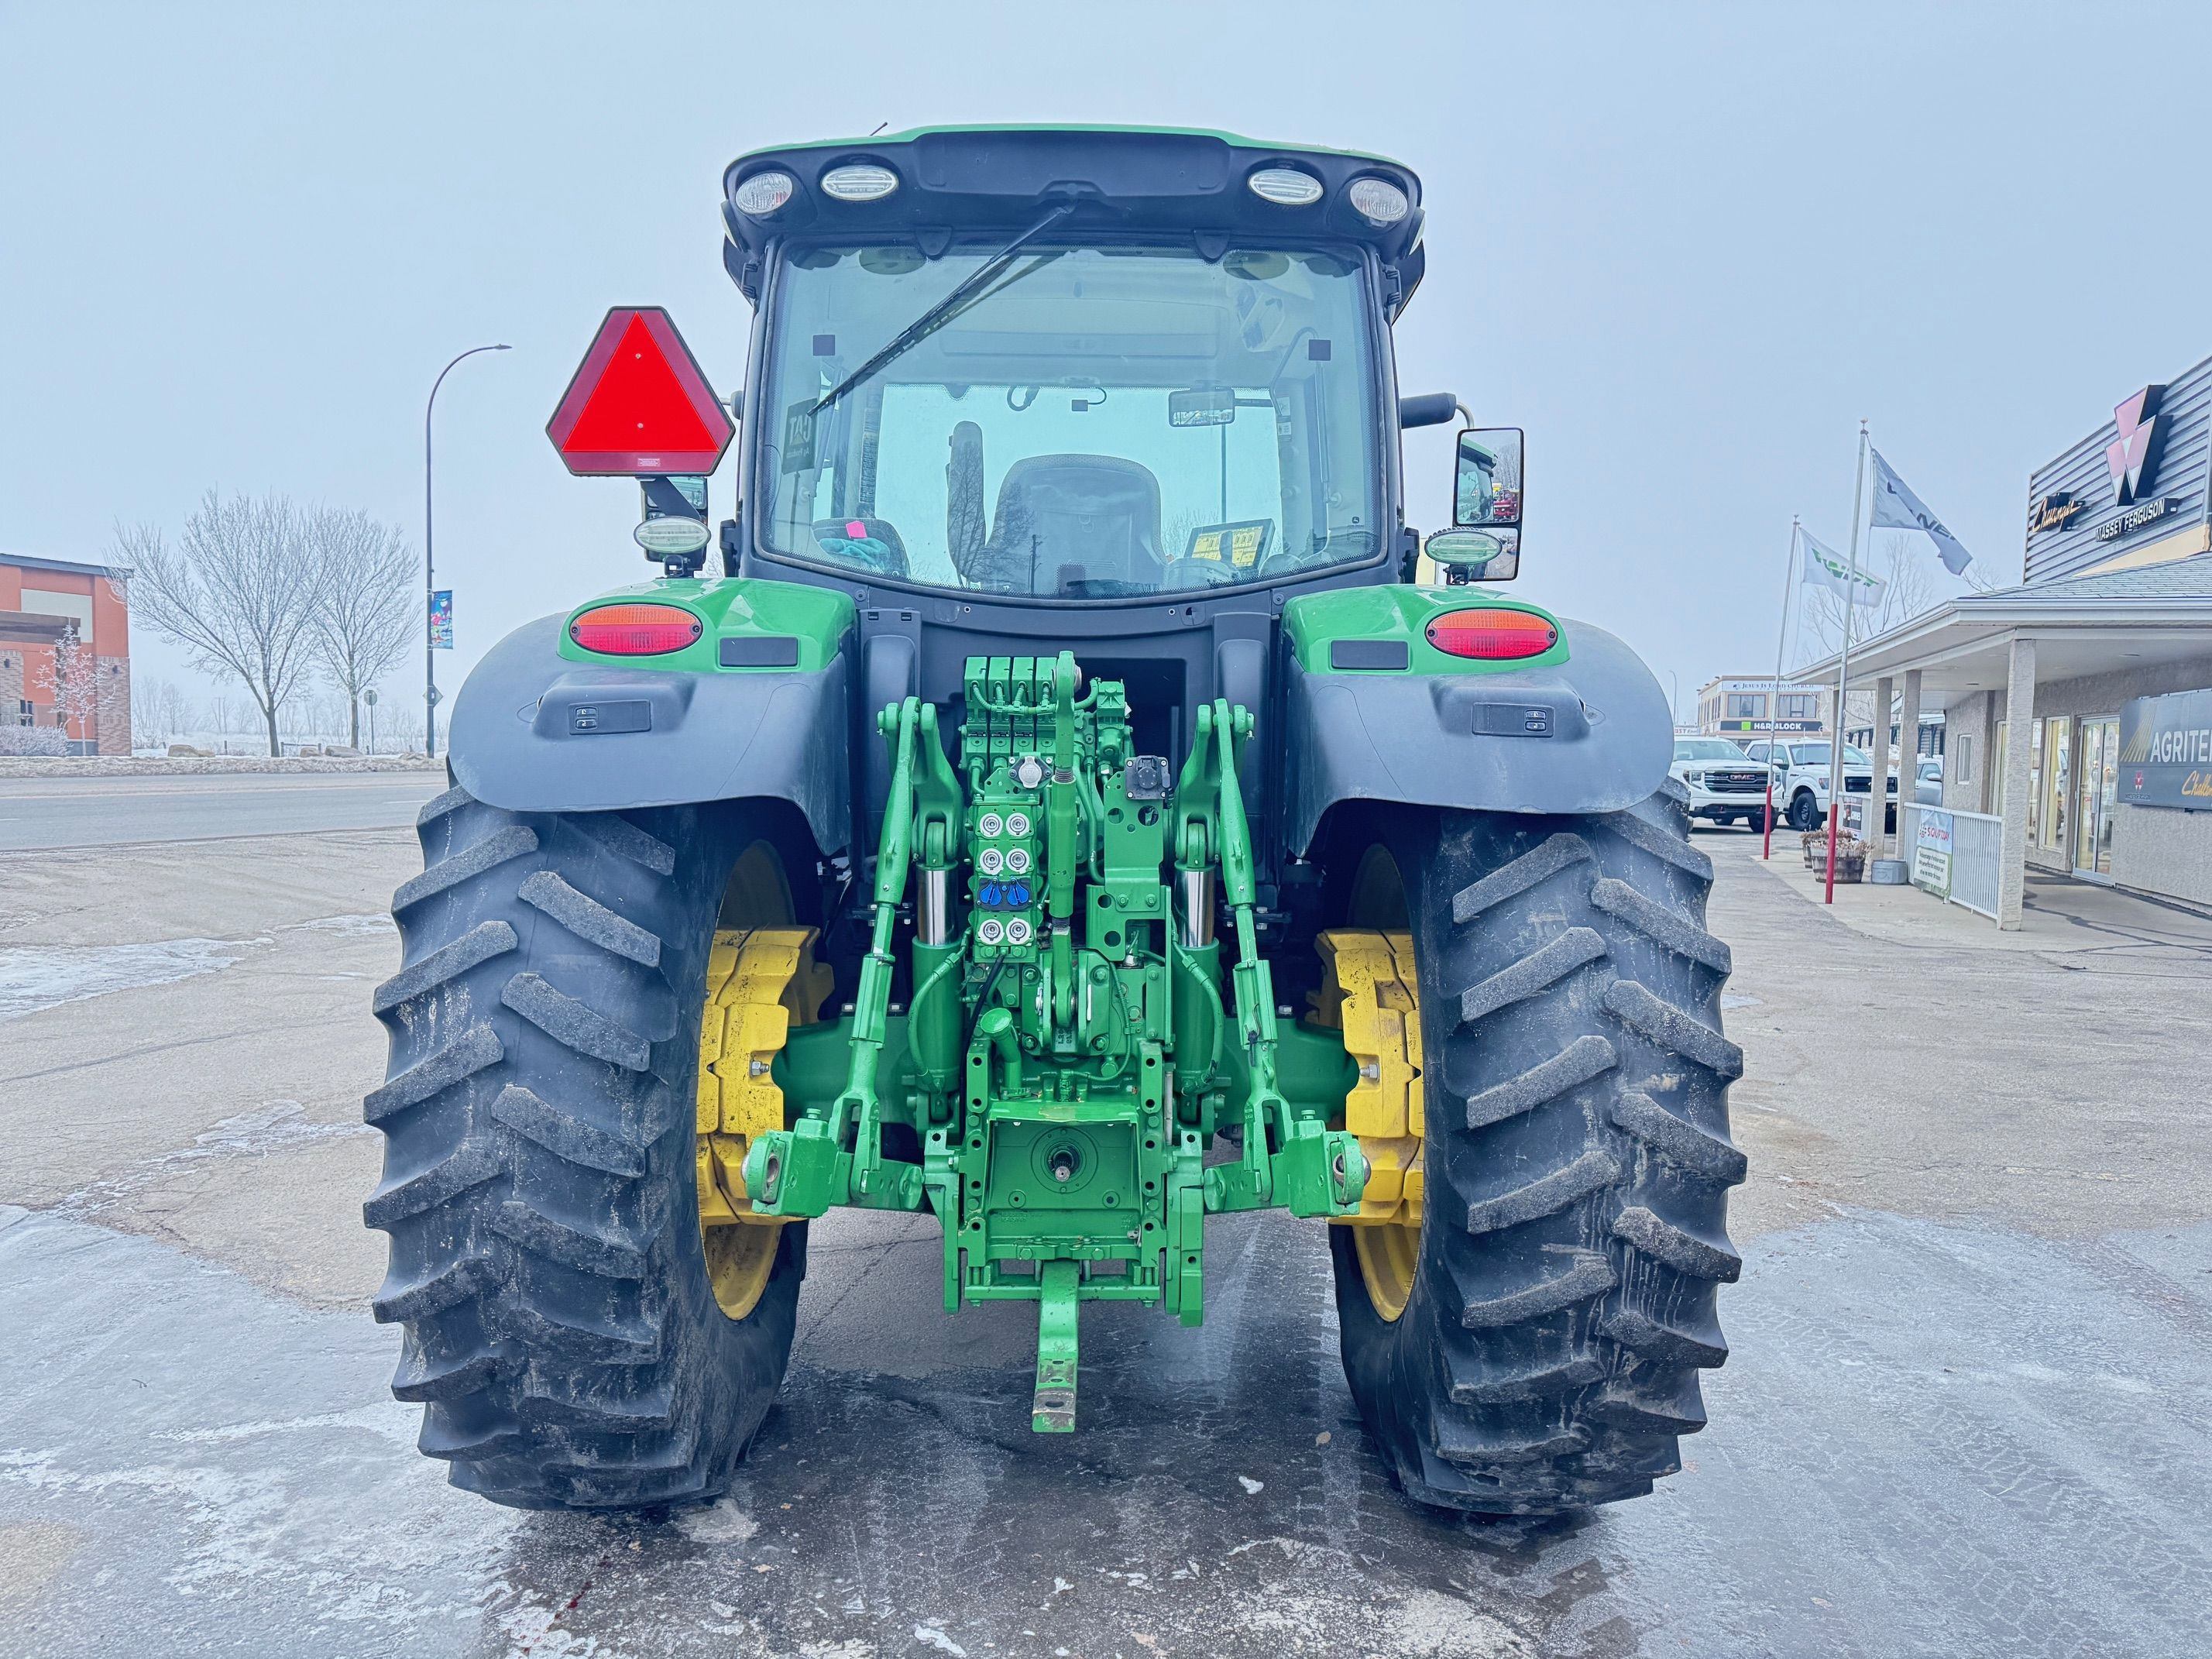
(1070, 813)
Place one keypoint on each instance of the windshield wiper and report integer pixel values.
(968, 288)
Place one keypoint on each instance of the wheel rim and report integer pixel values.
(1372, 992)
(761, 981)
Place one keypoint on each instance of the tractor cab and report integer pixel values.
(1072, 368)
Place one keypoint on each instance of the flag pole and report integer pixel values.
(1774, 701)
(1844, 672)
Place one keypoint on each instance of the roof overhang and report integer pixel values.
(1965, 644)
(1118, 179)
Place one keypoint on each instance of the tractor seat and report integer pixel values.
(1088, 525)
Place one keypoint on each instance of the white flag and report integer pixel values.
(1896, 508)
(1824, 568)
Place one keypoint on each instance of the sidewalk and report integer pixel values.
(2061, 916)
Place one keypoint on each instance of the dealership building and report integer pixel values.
(2077, 706)
(65, 651)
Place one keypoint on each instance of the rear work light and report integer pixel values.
(634, 630)
(858, 181)
(1492, 634)
(762, 194)
(1378, 201)
(1285, 186)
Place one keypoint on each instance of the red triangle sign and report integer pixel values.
(639, 404)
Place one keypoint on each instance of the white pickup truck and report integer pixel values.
(1724, 785)
(1801, 779)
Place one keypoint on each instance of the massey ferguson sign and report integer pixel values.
(2132, 457)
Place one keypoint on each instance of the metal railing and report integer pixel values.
(1956, 856)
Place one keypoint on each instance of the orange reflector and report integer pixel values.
(1494, 634)
(634, 630)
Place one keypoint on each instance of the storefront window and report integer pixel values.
(2056, 747)
(2097, 766)
(1794, 706)
(1747, 705)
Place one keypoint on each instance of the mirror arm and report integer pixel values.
(1429, 408)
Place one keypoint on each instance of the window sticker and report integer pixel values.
(1242, 543)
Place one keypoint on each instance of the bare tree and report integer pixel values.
(174, 710)
(150, 699)
(238, 592)
(76, 685)
(364, 621)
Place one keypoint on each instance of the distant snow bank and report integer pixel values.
(120, 766)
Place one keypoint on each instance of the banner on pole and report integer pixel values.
(1824, 568)
(1896, 508)
(441, 619)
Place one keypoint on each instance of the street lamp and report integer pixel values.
(430, 571)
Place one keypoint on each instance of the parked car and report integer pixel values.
(1801, 779)
(1724, 785)
(1927, 786)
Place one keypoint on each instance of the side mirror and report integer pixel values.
(1463, 557)
(1486, 494)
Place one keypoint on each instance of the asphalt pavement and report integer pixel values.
(37, 812)
(1967, 1411)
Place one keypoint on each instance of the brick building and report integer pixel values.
(42, 603)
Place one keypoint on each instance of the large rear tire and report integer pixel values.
(1576, 1158)
(561, 1326)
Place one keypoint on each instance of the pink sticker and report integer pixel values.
(857, 530)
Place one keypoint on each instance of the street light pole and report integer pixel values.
(429, 568)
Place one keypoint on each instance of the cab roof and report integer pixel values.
(1189, 180)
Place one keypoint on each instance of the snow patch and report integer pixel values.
(937, 1638)
(720, 1523)
(35, 977)
(278, 1127)
(367, 926)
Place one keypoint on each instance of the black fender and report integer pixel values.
(1591, 734)
(535, 733)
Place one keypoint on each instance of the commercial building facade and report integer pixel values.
(1750, 705)
(2078, 705)
(65, 651)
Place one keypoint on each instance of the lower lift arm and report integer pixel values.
(1289, 1156)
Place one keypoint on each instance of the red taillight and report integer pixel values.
(1494, 634)
(634, 630)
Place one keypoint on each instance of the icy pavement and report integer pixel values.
(1932, 1438)
(34, 977)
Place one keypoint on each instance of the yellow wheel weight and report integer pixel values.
(761, 982)
(1370, 993)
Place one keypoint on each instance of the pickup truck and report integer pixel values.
(1801, 779)
(1724, 785)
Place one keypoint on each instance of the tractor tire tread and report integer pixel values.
(1577, 1078)
(560, 1331)
(589, 919)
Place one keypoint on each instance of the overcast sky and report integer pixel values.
(1687, 247)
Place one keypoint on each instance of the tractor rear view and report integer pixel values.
(1081, 808)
